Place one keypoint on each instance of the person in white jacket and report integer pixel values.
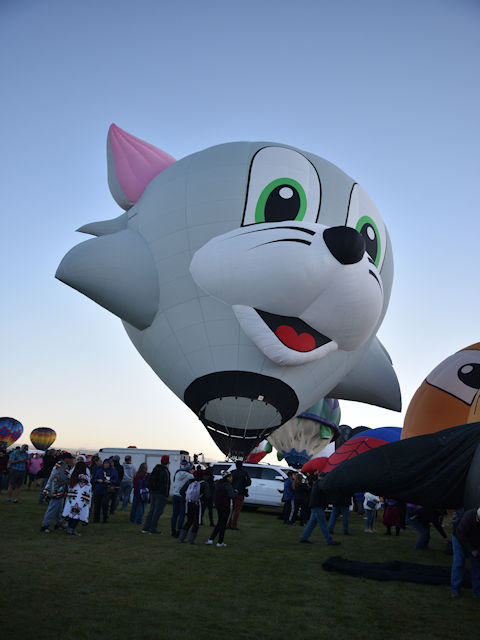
(178, 501)
(371, 503)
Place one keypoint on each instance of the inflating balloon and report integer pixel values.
(10, 430)
(319, 462)
(448, 396)
(304, 436)
(259, 452)
(42, 438)
(439, 469)
(252, 277)
(361, 442)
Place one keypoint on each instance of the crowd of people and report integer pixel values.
(76, 488)
(88, 488)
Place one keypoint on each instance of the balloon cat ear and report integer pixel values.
(371, 380)
(118, 272)
(132, 164)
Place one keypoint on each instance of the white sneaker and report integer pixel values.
(209, 542)
(221, 544)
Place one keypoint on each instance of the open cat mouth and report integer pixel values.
(293, 332)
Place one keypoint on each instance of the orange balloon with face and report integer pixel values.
(449, 395)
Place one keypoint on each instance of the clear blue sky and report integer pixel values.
(386, 90)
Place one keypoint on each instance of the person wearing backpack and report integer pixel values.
(195, 491)
(223, 502)
(181, 476)
(159, 487)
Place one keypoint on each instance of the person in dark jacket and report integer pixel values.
(466, 544)
(240, 481)
(113, 489)
(301, 496)
(358, 498)
(318, 503)
(223, 502)
(288, 498)
(208, 477)
(45, 471)
(4, 468)
(195, 491)
(140, 494)
(105, 477)
(159, 487)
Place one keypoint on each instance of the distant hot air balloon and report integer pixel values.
(42, 438)
(10, 430)
(305, 436)
(259, 452)
(363, 441)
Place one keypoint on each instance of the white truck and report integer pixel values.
(151, 456)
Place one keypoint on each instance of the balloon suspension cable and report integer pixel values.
(262, 433)
(247, 420)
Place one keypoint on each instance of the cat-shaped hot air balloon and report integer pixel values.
(251, 276)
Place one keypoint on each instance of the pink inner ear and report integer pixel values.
(136, 162)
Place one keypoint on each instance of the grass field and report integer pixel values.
(114, 582)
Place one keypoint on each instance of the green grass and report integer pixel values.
(114, 582)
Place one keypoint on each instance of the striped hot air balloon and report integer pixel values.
(42, 438)
(10, 430)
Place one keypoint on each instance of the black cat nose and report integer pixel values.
(345, 244)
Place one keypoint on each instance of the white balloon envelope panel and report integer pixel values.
(251, 276)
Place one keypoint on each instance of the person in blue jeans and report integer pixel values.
(318, 503)
(342, 508)
(139, 487)
(126, 484)
(420, 519)
(466, 544)
(371, 503)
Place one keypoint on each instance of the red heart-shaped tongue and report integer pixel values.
(290, 338)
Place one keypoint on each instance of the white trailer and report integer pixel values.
(151, 456)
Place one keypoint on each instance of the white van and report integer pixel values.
(267, 482)
(151, 456)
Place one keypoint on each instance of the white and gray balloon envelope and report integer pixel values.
(251, 276)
